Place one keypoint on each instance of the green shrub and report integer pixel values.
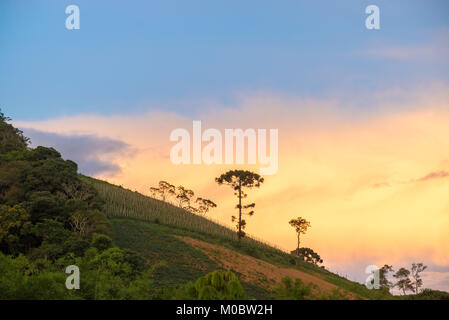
(101, 242)
(208, 293)
(428, 294)
(289, 290)
(213, 286)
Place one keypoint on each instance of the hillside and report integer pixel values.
(127, 245)
(130, 246)
(192, 246)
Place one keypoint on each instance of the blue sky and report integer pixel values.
(129, 55)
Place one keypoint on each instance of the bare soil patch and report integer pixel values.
(253, 270)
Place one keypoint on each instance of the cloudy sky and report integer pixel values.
(363, 115)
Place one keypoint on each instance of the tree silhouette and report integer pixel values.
(204, 205)
(238, 180)
(417, 268)
(404, 283)
(383, 273)
(155, 192)
(309, 255)
(184, 196)
(164, 191)
(301, 225)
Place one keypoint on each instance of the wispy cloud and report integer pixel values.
(381, 185)
(94, 155)
(433, 175)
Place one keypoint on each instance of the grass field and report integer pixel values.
(182, 262)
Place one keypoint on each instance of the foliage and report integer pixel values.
(40, 193)
(182, 197)
(308, 255)
(428, 294)
(217, 285)
(85, 222)
(21, 279)
(289, 290)
(11, 139)
(406, 280)
(301, 225)
(101, 242)
(204, 205)
(164, 191)
(417, 282)
(383, 276)
(404, 283)
(14, 226)
(111, 274)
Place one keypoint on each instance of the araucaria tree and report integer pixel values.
(301, 225)
(238, 180)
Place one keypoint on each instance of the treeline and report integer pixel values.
(182, 197)
(403, 279)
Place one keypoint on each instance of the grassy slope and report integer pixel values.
(180, 262)
(147, 225)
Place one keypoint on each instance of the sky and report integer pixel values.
(362, 115)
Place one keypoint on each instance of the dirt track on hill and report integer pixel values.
(256, 271)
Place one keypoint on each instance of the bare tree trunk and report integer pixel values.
(298, 243)
(416, 285)
(240, 210)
